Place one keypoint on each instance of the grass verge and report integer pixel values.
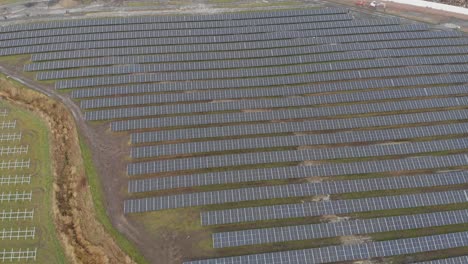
(101, 215)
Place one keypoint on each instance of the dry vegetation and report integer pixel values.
(84, 239)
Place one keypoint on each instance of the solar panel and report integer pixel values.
(347, 137)
(322, 87)
(350, 252)
(252, 58)
(336, 229)
(292, 190)
(266, 22)
(307, 209)
(455, 260)
(282, 173)
(195, 40)
(223, 79)
(321, 22)
(212, 133)
(393, 40)
(169, 19)
(289, 114)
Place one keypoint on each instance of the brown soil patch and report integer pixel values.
(84, 239)
(255, 110)
(311, 163)
(364, 262)
(224, 101)
(353, 240)
(317, 198)
(315, 179)
(334, 218)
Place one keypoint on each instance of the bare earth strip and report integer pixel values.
(84, 238)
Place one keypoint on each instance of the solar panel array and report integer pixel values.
(295, 156)
(342, 86)
(284, 211)
(335, 229)
(169, 30)
(437, 37)
(355, 109)
(282, 173)
(296, 104)
(298, 74)
(350, 252)
(191, 61)
(396, 60)
(293, 127)
(126, 27)
(307, 140)
(273, 103)
(168, 19)
(292, 190)
(456, 260)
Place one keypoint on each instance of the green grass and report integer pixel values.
(97, 195)
(36, 135)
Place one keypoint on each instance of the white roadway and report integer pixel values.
(432, 5)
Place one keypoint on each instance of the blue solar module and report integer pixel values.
(306, 209)
(295, 156)
(336, 229)
(297, 172)
(349, 252)
(289, 114)
(292, 190)
(455, 260)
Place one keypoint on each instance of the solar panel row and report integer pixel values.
(321, 22)
(173, 26)
(393, 39)
(309, 101)
(223, 39)
(338, 61)
(335, 229)
(455, 260)
(285, 211)
(226, 118)
(347, 137)
(224, 79)
(213, 94)
(213, 133)
(148, 204)
(169, 19)
(259, 57)
(349, 252)
(282, 173)
(294, 156)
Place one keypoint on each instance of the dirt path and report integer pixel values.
(83, 243)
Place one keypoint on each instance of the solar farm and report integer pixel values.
(291, 136)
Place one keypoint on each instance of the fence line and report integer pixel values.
(7, 150)
(17, 233)
(10, 137)
(18, 254)
(14, 164)
(15, 179)
(16, 215)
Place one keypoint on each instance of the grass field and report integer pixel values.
(36, 135)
